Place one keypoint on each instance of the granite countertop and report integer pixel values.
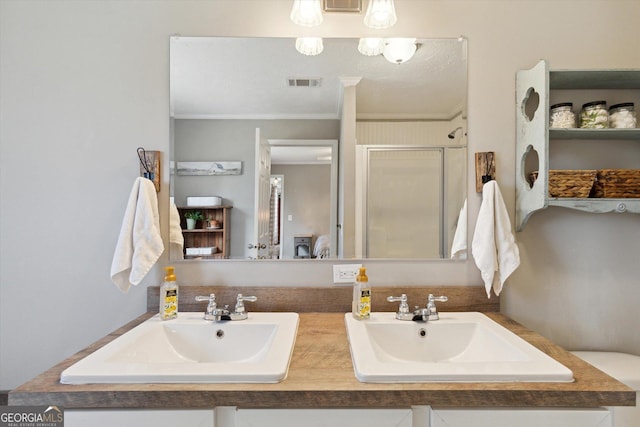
(321, 375)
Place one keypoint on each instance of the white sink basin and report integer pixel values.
(468, 347)
(191, 350)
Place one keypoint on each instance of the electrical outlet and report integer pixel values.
(345, 273)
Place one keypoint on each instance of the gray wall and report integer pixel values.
(85, 83)
(306, 197)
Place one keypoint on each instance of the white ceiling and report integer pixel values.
(218, 77)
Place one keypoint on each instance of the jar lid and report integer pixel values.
(562, 104)
(594, 103)
(622, 105)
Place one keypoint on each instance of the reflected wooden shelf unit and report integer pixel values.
(203, 237)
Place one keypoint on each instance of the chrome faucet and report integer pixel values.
(239, 312)
(430, 312)
(212, 312)
(403, 312)
(223, 314)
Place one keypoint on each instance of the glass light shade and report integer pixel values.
(371, 46)
(401, 50)
(309, 45)
(380, 14)
(307, 13)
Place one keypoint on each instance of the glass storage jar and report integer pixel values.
(622, 116)
(561, 116)
(594, 115)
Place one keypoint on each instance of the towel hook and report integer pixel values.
(485, 168)
(142, 156)
(150, 165)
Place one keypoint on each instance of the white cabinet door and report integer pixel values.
(138, 418)
(494, 417)
(323, 418)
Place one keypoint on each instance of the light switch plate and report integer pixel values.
(345, 273)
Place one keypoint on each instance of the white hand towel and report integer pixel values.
(139, 243)
(322, 247)
(493, 247)
(175, 231)
(459, 245)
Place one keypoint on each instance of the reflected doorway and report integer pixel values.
(276, 220)
(309, 202)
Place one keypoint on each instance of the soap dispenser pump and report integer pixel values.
(361, 306)
(169, 296)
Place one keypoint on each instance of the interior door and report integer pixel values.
(261, 241)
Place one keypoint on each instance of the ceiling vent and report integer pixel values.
(351, 6)
(298, 82)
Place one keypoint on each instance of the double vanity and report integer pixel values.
(322, 358)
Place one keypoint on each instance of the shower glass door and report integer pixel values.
(404, 203)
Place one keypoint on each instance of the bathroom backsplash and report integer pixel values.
(330, 299)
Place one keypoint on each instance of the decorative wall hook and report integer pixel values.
(485, 168)
(150, 165)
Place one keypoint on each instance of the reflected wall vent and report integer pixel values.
(297, 82)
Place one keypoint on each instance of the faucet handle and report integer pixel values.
(211, 307)
(432, 311)
(404, 306)
(240, 302)
(211, 297)
(432, 299)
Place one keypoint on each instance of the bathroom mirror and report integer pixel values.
(228, 94)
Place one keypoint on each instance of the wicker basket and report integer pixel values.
(617, 184)
(569, 183)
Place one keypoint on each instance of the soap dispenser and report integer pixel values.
(361, 306)
(169, 296)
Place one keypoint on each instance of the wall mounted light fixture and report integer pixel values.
(371, 46)
(307, 13)
(380, 14)
(310, 46)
